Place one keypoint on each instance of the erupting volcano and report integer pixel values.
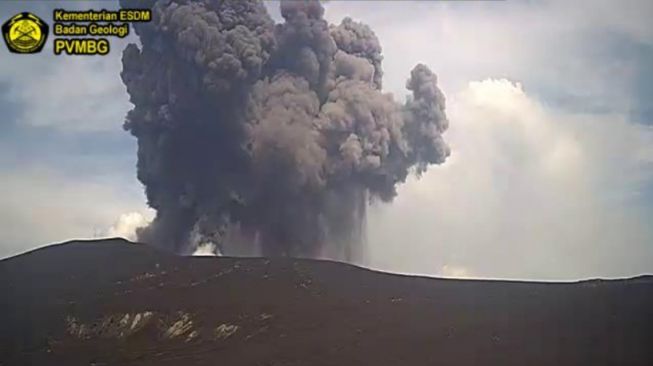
(264, 138)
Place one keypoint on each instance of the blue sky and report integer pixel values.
(551, 129)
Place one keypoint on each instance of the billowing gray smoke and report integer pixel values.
(270, 139)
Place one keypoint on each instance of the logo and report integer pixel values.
(25, 33)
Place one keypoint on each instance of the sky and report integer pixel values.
(551, 130)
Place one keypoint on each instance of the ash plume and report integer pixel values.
(264, 138)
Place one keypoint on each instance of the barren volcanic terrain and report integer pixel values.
(110, 302)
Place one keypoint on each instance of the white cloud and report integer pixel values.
(126, 225)
(528, 193)
(453, 271)
(538, 186)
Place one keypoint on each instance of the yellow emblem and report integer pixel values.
(25, 33)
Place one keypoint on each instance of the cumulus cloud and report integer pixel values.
(127, 223)
(453, 271)
(528, 192)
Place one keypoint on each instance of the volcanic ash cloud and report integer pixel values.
(264, 138)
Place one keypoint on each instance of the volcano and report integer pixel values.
(112, 302)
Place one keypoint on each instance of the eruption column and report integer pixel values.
(264, 138)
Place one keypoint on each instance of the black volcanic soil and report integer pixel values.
(115, 303)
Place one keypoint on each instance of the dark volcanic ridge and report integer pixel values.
(110, 302)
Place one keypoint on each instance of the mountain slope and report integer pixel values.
(110, 302)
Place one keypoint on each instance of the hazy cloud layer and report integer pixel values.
(42, 206)
(66, 164)
(582, 55)
(69, 93)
